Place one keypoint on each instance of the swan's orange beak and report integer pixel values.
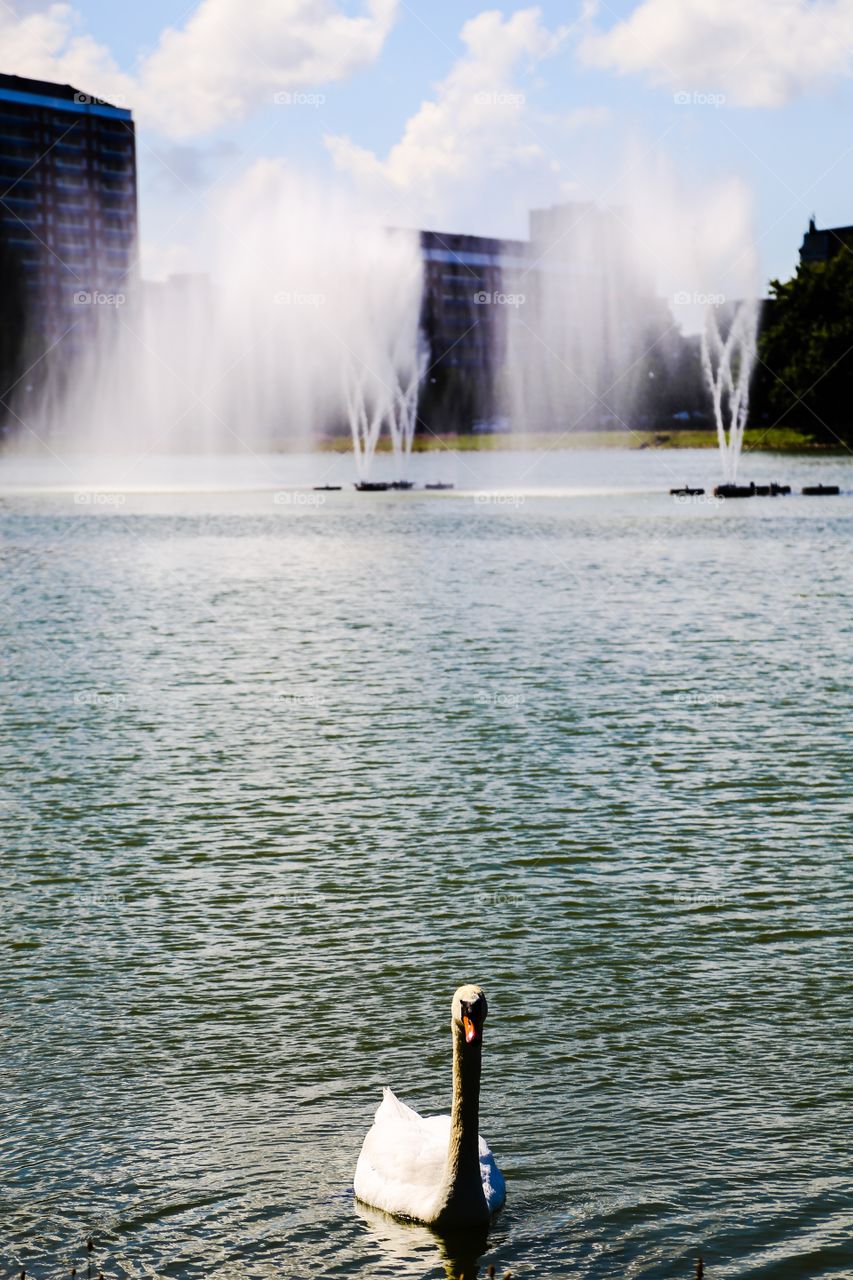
(471, 1032)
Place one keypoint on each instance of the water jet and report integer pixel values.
(727, 364)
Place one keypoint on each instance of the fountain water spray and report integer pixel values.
(386, 361)
(727, 364)
(308, 324)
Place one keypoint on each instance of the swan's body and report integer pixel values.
(436, 1169)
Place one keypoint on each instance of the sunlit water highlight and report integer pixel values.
(279, 775)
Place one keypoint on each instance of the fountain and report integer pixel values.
(382, 391)
(727, 364)
(307, 326)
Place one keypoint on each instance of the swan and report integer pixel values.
(436, 1169)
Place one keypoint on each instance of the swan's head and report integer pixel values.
(469, 1012)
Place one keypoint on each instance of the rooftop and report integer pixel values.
(64, 97)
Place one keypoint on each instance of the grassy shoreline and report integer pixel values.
(756, 440)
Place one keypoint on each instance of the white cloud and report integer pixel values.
(476, 121)
(229, 59)
(232, 57)
(759, 53)
(46, 44)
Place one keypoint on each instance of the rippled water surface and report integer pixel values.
(280, 772)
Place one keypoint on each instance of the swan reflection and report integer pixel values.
(411, 1247)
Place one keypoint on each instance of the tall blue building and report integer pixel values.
(68, 212)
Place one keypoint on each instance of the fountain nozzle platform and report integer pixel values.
(752, 490)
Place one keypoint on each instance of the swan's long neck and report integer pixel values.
(466, 1201)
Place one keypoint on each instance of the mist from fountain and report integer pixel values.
(574, 336)
(727, 363)
(384, 366)
(308, 326)
(613, 300)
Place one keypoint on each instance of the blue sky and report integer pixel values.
(571, 101)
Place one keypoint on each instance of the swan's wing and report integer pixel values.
(492, 1178)
(402, 1161)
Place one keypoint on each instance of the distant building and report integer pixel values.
(469, 284)
(465, 277)
(821, 245)
(68, 208)
(540, 320)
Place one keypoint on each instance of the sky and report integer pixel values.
(462, 117)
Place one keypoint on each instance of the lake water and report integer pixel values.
(282, 769)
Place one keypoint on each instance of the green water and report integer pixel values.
(278, 777)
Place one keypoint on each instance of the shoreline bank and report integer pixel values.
(756, 440)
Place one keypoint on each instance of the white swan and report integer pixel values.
(436, 1169)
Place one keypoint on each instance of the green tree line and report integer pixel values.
(804, 377)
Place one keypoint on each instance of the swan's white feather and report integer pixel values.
(402, 1162)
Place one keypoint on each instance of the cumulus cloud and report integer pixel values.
(475, 121)
(232, 57)
(762, 53)
(228, 59)
(48, 43)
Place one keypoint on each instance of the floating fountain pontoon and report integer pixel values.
(402, 484)
(686, 492)
(327, 488)
(752, 490)
(734, 491)
(373, 486)
(821, 491)
(438, 485)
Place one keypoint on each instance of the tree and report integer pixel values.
(805, 379)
